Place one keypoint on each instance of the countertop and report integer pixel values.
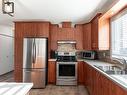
(51, 59)
(118, 79)
(15, 88)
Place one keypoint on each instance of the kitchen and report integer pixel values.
(77, 58)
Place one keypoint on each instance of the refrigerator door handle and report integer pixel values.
(32, 53)
(28, 70)
(35, 70)
(33, 49)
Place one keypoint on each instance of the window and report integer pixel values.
(119, 35)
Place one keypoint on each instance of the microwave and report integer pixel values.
(89, 54)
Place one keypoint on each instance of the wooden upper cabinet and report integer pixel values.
(101, 26)
(73, 33)
(100, 33)
(87, 36)
(78, 36)
(94, 33)
(25, 29)
(104, 33)
(66, 24)
(32, 29)
(43, 29)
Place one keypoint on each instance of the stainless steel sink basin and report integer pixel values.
(112, 70)
(116, 72)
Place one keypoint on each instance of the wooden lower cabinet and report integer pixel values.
(81, 72)
(51, 72)
(89, 79)
(98, 84)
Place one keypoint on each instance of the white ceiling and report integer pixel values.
(55, 11)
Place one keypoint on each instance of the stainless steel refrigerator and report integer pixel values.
(35, 61)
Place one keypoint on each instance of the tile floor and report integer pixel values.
(60, 90)
(50, 89)
(8, 77)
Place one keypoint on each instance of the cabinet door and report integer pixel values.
(43, 29)
(81, 72)
(94, 33)
(29, 29)
(87, 36)
(85, 73)
(10, 53)
(6, 52)
(3, 55)
(104, 35)
(51, 72)
(116, 90)
(100, 33)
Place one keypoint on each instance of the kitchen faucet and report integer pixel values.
(122, 61)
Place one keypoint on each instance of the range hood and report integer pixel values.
(66, 45)
(66, 42)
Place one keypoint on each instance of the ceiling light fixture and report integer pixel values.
(8, 7)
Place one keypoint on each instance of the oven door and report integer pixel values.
(66, 70)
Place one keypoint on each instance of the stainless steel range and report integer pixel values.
(66, 68)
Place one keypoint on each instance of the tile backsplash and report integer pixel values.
(66, 47)
(105, 56)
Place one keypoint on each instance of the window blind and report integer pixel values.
(119, 35)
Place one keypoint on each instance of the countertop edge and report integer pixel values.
(51, 59)
(23, 91)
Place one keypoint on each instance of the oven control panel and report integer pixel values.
(66, 54)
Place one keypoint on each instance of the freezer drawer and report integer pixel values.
(37, 76)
